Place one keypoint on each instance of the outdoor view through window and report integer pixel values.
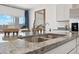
(7, 20)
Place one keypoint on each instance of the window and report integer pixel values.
(11, 20)
(6, 20)
(22, 20)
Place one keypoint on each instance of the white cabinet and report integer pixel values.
(59, 12)
(62, 12)
(74, 13)
(63, 49)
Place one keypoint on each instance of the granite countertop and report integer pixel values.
(28, 46)
(21, 46)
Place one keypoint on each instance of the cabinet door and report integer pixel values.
(63, 11)
(59, 12)
(67, 12)
(63, 49)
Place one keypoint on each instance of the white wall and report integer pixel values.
(11, 11)
(50, 15)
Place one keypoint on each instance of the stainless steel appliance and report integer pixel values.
(74, 27)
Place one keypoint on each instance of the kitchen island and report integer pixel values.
(22, 45)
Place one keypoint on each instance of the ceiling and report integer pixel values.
(24, 6)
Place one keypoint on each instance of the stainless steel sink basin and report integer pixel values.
(52, 36)
(43, 37)
(40, 39)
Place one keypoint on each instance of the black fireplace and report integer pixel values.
(74, 27)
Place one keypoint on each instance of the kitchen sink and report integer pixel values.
(43, 37)
(39, 39)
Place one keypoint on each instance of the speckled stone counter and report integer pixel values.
(22, 46)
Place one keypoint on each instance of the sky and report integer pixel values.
(6, 20)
